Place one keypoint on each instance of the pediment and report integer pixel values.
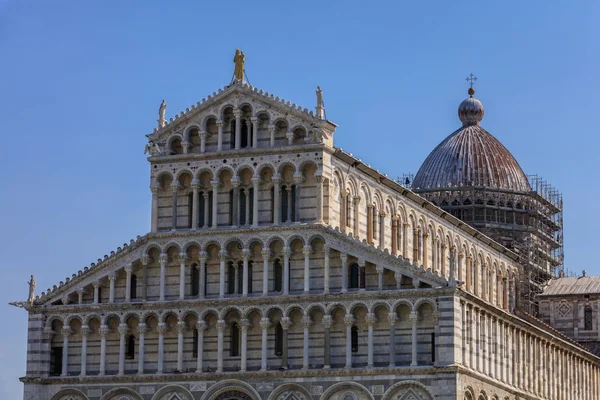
(237, 95)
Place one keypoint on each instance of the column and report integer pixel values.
(349, 321)
(85, 330)
(122, 332)
(285, 324)
(265, 285)
(425, 254)
(276, 204)
(370, 223)
(222, 257)
(307, 250)
(254, 121)
(327, 339)
(186, 145)
(220, 329)
(306, 325)
(343, 210)
(161, 328)
(103, 332)
(434, 255)
(415, 259)
(111, 282)
(286, 271)
(461, 275)
(202, 275)
(379, 270)
(361, 274)
(264, 324)
(163, 265)
(405, 240)
(195, 204)
(202, 135)
(180, 329)
(298, 179)
(392, 340)
(356, 225)
(200, 326)
(144, 284)
(370, 318)
(141, 338)
(246, 222)
(398, 277)
(215, 187)
(256, 191)
(319, 214)
(288, 217)
(272, 135)
(238, 128)
(326, 269)
(395, 235)
(220, 125)
(154, 189)
(80, 296)
(443, 262)
(236, 285)
(413, 319)
(245, 255)
(235, 182)
(96, 292)
(206, 197)
(382, 230)
(128, 271)
(175, 188)
(290, 137)
(344, 258)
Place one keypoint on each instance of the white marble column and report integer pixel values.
(80, 292)
(195, 204)
(206, 199)
(128, 271)
(276, 199)
(244, 325)
(246, 222)
(413, 319)
(254, 121)
(222, 258)
(288, 217)
(245, 277)
(202, 135)
(415, 246)
(326, 269)
(154, 225)
(356, 225)
(395, 235)
(96, 292)
(382, 230)
(220, 330)
(163, 266)
(180, 330)
(202, 274)
(405, 240)
(307, 250)
(220, 125)
(343, 211)
(264, 324)
(111, 282)
(238, 128)
(434, 255)
(144, 281)
(215, 202)
(272, 135)
(286, 270)
(319, 214)
(161, 329)
(201, 327)
(290, 137)
(349, 322)
(265, 285)
(379, 270)
(141, 339)
(255, 195)
(306, 322)
(122, 332)
(370, 318)
(344, 258)
(392, 339)
(370, 224)
(235, 216)
(285, 325)
(398, 278)
(175, 189)
(104, 330)
(236, 279)
(85, 330)
(327, 321)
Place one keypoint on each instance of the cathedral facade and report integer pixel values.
(279, 267)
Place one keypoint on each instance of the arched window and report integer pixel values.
(195, 344)
(353, 278)
(230, 278)
(130, 352)
(354, 339)
(56, 355)
(190, 209)
(348, 210)
(133, 287)
(587, 318)
(195, 280)
(278, 340)
(278, 275)
(234, 348)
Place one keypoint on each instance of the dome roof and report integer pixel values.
(471, 156)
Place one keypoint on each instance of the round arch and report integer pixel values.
(173, 392)
(408, 390)
(345, 388)
(69, 394)
(289, 391)
(231, 389)
(115, 393)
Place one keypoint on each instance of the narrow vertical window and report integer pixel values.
(195, 344)
(190, 209)
(230, 278)
(231, 207)
(234, 348)
(133, 287)
(284, 204)
(240, 277)
(99, 294)
(250, 265)
(272, 204)
(130, 352)
(354, 339)
(201, 210)
(232, 135)
(205, 279)
(242, 207)
(433, 347)
(56, 355)
(195, 280)
(294, 205)
(278, 340)
(251, 205)
(587, 318)
(353, 278)
(211, 214)
(278, 275)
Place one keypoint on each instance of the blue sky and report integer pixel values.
(81, 82)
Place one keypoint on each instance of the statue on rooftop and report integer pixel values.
(162, 110)
(239, 60)
(320, 104)
(153, 148)
(31, 290)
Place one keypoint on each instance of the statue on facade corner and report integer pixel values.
(153, 148)
(320, 104)
(162, 110)
(31, 284)
(239, 60)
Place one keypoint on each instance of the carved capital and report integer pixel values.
(276, 179)
(306, 321)
(254, 120)
(123, 329)
(128, 269)
(104, 330)
(180, 326)
(379, 269)
(244, 324)
(392, 318)
(201, 326)
(142, 328)
(175, 186)
(195, 184)
(344, 257)
(85, 330)
(285, 323)
(145, 259)
(245, 254)
(214, 183)
(370, 318)
(271, 128)
(327, 321)
(349, 320)
(161, 328)
(298, 179)
(163, 258)
(203, 255)
(361, 262)
(183, 257)
(220, 123)
(414, 317)
(221, 325)
(111, 277)
(223, 255)
(237, 113)
(307, 250)
(287, 251)
(326, 249)
(256, 180)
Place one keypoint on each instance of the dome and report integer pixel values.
(471, 156)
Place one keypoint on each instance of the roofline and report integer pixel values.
(415, 198)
